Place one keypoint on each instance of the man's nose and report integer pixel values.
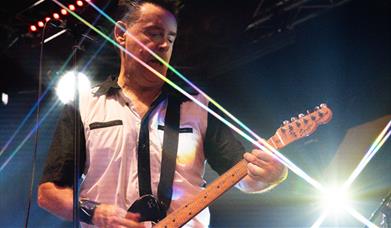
(164, 45)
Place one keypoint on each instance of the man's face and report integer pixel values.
(156, 28)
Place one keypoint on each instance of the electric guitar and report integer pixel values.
(290, 131)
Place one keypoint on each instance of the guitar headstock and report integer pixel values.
(301, 126)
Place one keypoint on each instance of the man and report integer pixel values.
(114, 118)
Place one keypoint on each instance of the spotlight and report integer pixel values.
(33, 28)
(72, 7)
(79, 3)
(47, 19)
(4, 98)
(66, 86)
(335, 201)
(56, 16)
(64, 12)
(40, 24)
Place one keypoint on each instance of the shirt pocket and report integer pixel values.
(104, 141)
(97, 125)
(181, 129)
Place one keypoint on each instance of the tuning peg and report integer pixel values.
(301, 115)
(308, 112)
(317, 108)
(285, 122)
(323, 105)
(293, 119)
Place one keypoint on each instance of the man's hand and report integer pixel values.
(264, 171)
(107, 216)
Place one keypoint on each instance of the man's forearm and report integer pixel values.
(247, 184)
(57, 200)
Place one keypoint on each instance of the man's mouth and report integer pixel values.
(155, 61)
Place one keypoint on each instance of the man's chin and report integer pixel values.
(162, 70)
(153, 79)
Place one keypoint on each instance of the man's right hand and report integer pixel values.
(110, 216)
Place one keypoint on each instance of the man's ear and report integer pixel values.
(120, 32)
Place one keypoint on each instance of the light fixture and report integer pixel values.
(66, 86)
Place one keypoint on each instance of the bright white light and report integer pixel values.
(4, 98)
(66, 86)
(335, 201)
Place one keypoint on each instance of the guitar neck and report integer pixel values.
(213, 191)
(297, 128)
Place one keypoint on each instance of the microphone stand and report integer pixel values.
(78, 40)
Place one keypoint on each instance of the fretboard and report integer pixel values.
(213, 191)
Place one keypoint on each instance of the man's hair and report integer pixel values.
(128, 10)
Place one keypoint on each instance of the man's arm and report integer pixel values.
(55, 192)
(59, 201)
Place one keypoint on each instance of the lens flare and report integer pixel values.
(375, 147)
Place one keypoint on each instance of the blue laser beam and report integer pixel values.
(27, 137)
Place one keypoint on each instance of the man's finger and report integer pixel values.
(133, 216)
(255, 171)
(265, 156)
(251, 158)
(128, 223)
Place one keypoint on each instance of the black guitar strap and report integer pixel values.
(170, 149)
(143, 168)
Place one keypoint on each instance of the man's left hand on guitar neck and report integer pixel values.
(264, 172)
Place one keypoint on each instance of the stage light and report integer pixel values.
(79, 3)
(72, 7)
(335, 201)
(66, 86)
(47, 19)
(4, 98)
(33, 28)
(56, 16)
(41, 24)
(64, 12)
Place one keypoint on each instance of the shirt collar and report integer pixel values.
(108, 87)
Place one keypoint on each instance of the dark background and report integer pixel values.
(334, 52)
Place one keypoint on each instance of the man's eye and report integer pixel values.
(154, 34)
(171, 39)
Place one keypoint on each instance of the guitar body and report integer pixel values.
(149, 209)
